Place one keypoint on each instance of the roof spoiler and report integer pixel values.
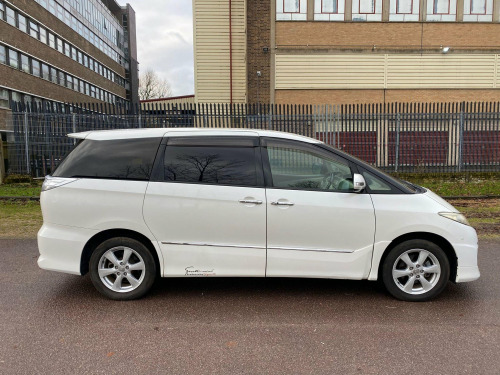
(81, 135)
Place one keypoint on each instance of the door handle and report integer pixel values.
(278, 203)
(250, 201)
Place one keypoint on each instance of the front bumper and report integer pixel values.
(61, 247)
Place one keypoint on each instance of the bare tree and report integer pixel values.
(151, 86)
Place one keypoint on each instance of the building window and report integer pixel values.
(291, 10)
(45, 72)
(404, 10)
(82, 87)
(61, 76)
(367, 10)
(2, 11)
(73, 53)
(80, 57)
(67, 50)
(69, 82)
(43, 35)
(13, 59)
(4, 98)
(52, 40)
(3, 55)
(25, 63)
(60, 46)
(478, 10)
(35, 67)
(16, 97)
(34, 32)
(329, 10)
(11, 16)
(22, 22)
(53, 75)
(442, 10)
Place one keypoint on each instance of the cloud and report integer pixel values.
(165, 40)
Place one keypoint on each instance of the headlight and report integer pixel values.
(455, 216)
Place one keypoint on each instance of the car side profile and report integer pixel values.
(128, 206)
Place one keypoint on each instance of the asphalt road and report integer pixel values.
(53, 323)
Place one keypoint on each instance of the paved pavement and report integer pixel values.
(53, 323)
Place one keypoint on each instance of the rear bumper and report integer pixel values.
(61, 247)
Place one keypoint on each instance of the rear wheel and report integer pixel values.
(122, 268)
(416, 270)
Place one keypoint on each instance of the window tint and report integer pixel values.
(222, 165)
(124, 159)
(297, 166)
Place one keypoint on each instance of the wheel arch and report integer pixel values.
(442, 242)
(100, 237)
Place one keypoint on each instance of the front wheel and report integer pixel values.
(416, 270)
(122, 268)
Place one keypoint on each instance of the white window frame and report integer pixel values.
(375, 16)
(321, 15)
(395, 15)
(451, 16)
(487, 16)
(301, 15)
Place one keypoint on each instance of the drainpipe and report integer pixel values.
(230, 53)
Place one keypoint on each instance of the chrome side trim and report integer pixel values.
(211, 245)
(309, 249)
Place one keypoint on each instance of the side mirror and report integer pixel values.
(358, 182)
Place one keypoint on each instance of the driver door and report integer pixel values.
(316, 225)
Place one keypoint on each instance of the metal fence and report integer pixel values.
(397, 137)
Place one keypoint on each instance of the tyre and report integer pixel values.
(122, 268)
(416, 271)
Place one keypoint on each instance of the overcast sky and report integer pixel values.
(165, 40)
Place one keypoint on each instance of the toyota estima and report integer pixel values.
(131, 205)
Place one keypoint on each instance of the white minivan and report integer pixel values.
(129, 206)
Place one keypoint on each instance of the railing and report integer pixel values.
(397, 137)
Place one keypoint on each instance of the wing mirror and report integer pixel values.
(358, 182)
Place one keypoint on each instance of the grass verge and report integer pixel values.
(22, 189)
(19, 219)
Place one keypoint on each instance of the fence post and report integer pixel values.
(73, 124)
(26, 145)
(270, 117)
(460, 138)
(2, 162)
(398, 123)
(139, 120)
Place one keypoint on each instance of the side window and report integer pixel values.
(376, 184)
(219, 161)
(297, 166)
(121, 159)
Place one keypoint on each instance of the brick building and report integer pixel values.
(67, 51)
(346, 51)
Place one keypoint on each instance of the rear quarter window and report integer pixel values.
(122, 159)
